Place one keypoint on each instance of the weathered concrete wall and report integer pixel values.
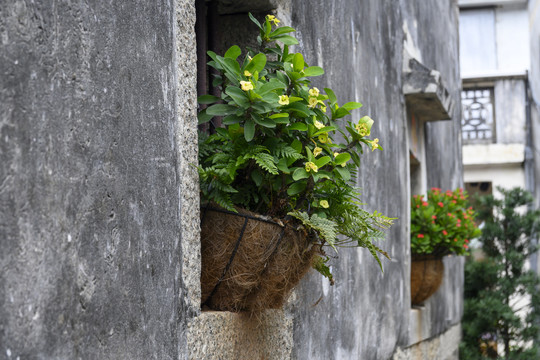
(510, 111)
(99, 203)
(95, 189)
(366, 314)
(534, 83)
(443, 347)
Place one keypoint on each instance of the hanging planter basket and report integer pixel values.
(250, 262)
(426, 277)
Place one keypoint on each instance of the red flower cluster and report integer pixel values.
(442, 223)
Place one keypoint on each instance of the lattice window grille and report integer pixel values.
(477, 123)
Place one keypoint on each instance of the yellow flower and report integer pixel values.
(336, 154)
(246, 85)
(374, 144)
(362, 129)
(317, 151)
(247, 73)
(324, 204)
(318, 124)
(283, 100)
(310, 166)
(323, 108)
(250, 58)
(314, 92)
(273, 19)
(323, 138)
(312, 102)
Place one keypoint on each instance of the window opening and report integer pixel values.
(478, 121)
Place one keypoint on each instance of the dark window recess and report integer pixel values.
(477, 189)
(205, 31)
(478, 121)
(221, 24)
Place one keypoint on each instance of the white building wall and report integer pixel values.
(494, 41)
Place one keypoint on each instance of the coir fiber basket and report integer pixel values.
(250, 262)
(426, 277)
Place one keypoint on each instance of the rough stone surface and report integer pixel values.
(443, 309)
(99, 201)
(95, 190)
(366, 314)
(224, 335)
(425, 93)
(443, 347)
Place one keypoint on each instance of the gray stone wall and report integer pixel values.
(510, 111)
(366, 314)
(533, 176)
(93, 178)
(99, 201)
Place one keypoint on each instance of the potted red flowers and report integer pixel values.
(441, 224)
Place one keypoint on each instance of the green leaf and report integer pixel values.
(249, 130)
(238, 95)
(221, 110)
(272, 85)
(298, 126)
(255, 21)
(280, 115)
(233, 52)
(232, 66)
(324, 130)
(352, 105)
(313, 71)
(257, 177)
(309, 154)
(271, 99)
(282, 30)
(331, 96)
(343, 172)
(232, 119)
(282, 166)
(266, 122)
(296, 188)
(301, 109)
(322, 161)
(282, 120)
(207, 99)
(213, 56)
(299, 174)
(341, 112)
(203, 117)
(286, 39)
(342, 158)
(297, 145)
(293, 99)
(257, 63)
(298, 62)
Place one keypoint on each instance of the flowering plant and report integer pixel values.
(277, 154)
(442, 224)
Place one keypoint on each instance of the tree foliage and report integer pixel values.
(494, 284)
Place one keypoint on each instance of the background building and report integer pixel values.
(499, 72)
(495, 58)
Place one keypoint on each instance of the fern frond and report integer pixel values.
(327, 229)
(266, 162)
(223, 199)
(288, 152)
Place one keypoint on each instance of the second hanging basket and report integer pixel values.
(426, 277)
